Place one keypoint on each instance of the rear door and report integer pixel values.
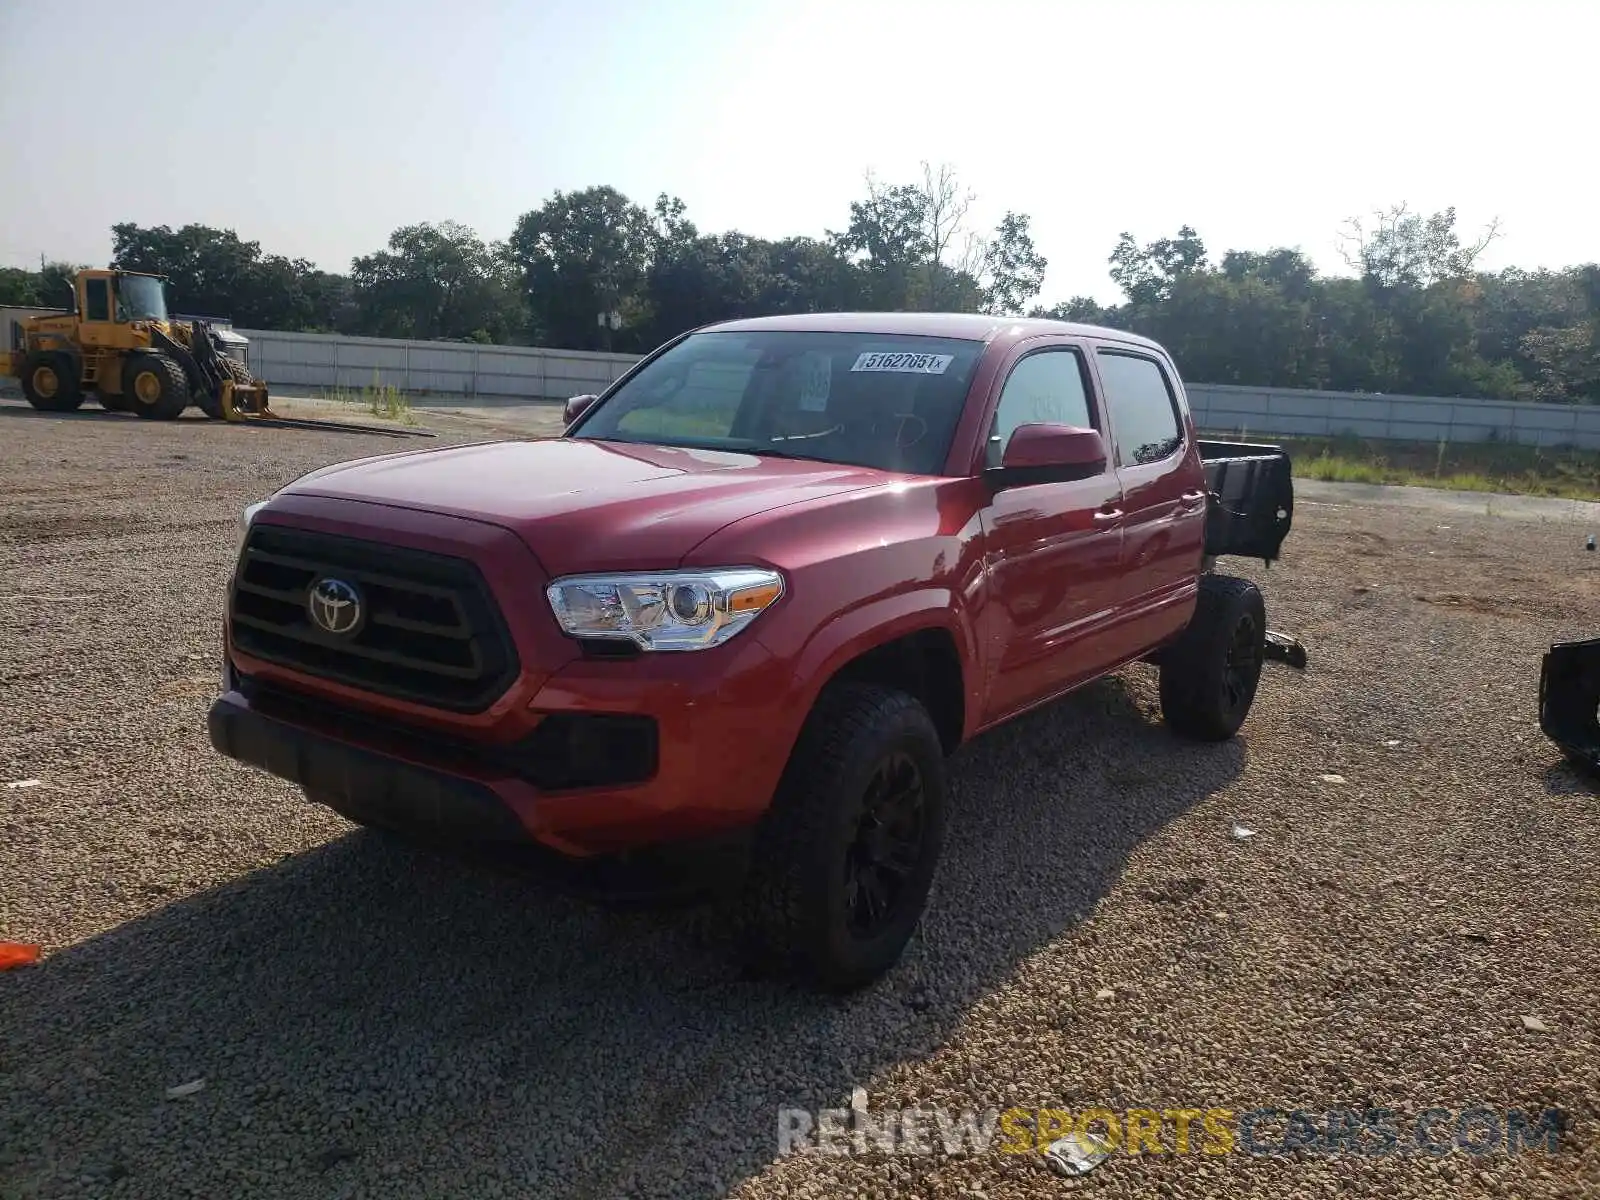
(1163, 495)
(1051, 549)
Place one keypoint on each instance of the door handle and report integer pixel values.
(1192, 500)
(1108, 514)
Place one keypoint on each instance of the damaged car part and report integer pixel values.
(1280, 647)
(1569, 700)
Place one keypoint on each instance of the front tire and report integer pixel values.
(1210, 674)
(155, 387)
(50, 382)
(842, 862)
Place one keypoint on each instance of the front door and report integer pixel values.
(1051, 549)
(97, 328)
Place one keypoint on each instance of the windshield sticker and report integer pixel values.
(816, 379)
(904, 363)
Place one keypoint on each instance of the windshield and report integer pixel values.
(140, 298)
(868, 399)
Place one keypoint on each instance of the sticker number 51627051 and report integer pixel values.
(909, 364)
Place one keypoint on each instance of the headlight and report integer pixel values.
(664, 610)
(249, 514)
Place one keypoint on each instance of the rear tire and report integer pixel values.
(50, 381)
(842, 862)
(1210, 674)
(154, 387)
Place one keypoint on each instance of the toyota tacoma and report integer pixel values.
(759, 588)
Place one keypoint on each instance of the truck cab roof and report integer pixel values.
(976, 327)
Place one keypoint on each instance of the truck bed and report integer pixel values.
(1252, 499)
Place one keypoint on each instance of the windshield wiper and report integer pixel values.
(776, 452)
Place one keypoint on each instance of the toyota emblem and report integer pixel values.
(334, 606)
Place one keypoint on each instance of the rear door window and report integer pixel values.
(1142, 408)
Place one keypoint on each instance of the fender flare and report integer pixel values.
(853, 632)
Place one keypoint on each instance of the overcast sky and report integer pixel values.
(318, 126)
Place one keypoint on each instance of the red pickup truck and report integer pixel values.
(761, 586)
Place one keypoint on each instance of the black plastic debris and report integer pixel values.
(1569, 700)
(1282, 648)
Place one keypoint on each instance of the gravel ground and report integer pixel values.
(371, 1020)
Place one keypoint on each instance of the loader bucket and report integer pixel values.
(1569, 700)
(245, 401)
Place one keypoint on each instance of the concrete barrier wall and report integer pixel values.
(1288, 412)
(11, 318)
(310, 360)
(321, 361)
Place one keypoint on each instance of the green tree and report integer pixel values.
(888, 238)
(809, 275)
(1397, 248)
(1083, 310)
(1146, 274)
(581, 255)
(1565, 362)
(214, 273)
(56, 287)
(19, 287)
(694, 281)
(1013, 268)
(1288, 270)
(437, 281)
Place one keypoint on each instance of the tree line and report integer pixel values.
(593, 270)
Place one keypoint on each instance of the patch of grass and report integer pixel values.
(380, 399)
(391, 403)
(1494, 466)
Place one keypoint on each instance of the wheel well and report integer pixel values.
(924, 664)
(70, 360)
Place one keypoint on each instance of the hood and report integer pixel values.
(585, 505)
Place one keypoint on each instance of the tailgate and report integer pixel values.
(1252, 499)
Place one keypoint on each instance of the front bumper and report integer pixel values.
(552, 758)
(719, 740)
(362, 784)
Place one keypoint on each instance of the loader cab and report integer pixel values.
(140, 297)
(110, 301)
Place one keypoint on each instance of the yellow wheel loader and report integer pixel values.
(120, 344)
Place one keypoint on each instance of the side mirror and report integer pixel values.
(1052, 454)
(575, 408)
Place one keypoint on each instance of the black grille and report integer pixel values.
(431, 632)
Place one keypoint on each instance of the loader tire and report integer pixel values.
(50, 381)
(112, 403)
(155, 387)
(1209, 675)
